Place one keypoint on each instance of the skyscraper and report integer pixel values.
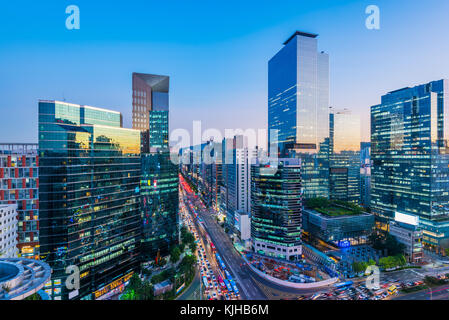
(237, 181)
(344, 156)
(88, 195)
(159, 176)
(410, 156)
(276, 208)
(150, 93)
(298, 108)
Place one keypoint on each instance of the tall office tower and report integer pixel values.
(238, 180)
(276, 208)
(410, 156)
(298, 108)
(150, 92)
(159, 198)
(344, 156)
(365, 174)
(89, 170)
(19, 184)
(8, 231)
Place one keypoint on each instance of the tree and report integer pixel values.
(193, 246)
(175, 254)
(393, 246)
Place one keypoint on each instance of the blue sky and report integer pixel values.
(216, 53)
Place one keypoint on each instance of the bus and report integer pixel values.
(228, 275)
(212, 247)
(221, 283)
(228, 286)
(220, 262)
(234, 287)
(343, 285)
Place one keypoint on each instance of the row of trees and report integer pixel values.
(393, 261)
(386, 263)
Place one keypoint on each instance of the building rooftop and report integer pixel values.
(334, 209)
(300, 33)
(22, 277)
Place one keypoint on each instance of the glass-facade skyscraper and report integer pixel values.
(159, 194)
(344, 156)
(159, 203)
(298, 108)
(88, 197)
(150, 108)
(410, 158)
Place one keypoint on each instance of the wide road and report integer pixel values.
(437, 293)
(253, 287)
(193, 291)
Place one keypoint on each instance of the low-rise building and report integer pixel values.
(338, 224)
(411, 236)
(162, 287)
(8, 230)
(243, 225)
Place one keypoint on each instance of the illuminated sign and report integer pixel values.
(344, 244)
(113, 285)
(406, 218)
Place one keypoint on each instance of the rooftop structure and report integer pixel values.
(22, 277)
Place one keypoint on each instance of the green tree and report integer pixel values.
(193, 246)
(175, 254)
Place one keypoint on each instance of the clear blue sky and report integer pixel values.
(216, 53)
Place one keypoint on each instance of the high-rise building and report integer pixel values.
(365, 174)
(159, 198)
(276, 208)
(89, 172)
(150, 93)
(238, 181)
(344, 156)
(159, 203)
(410, 158)
(19, 183)
(8, 230)
(298, 108)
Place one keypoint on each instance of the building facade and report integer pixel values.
(365, 174)
(8, 230)
(89, 197)
(298, 108)
(276, 208)
(150, 92)
(159, 199)
(410, 159)
(411, 236)
(353, 229)
(344, 156)
(19, 184)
